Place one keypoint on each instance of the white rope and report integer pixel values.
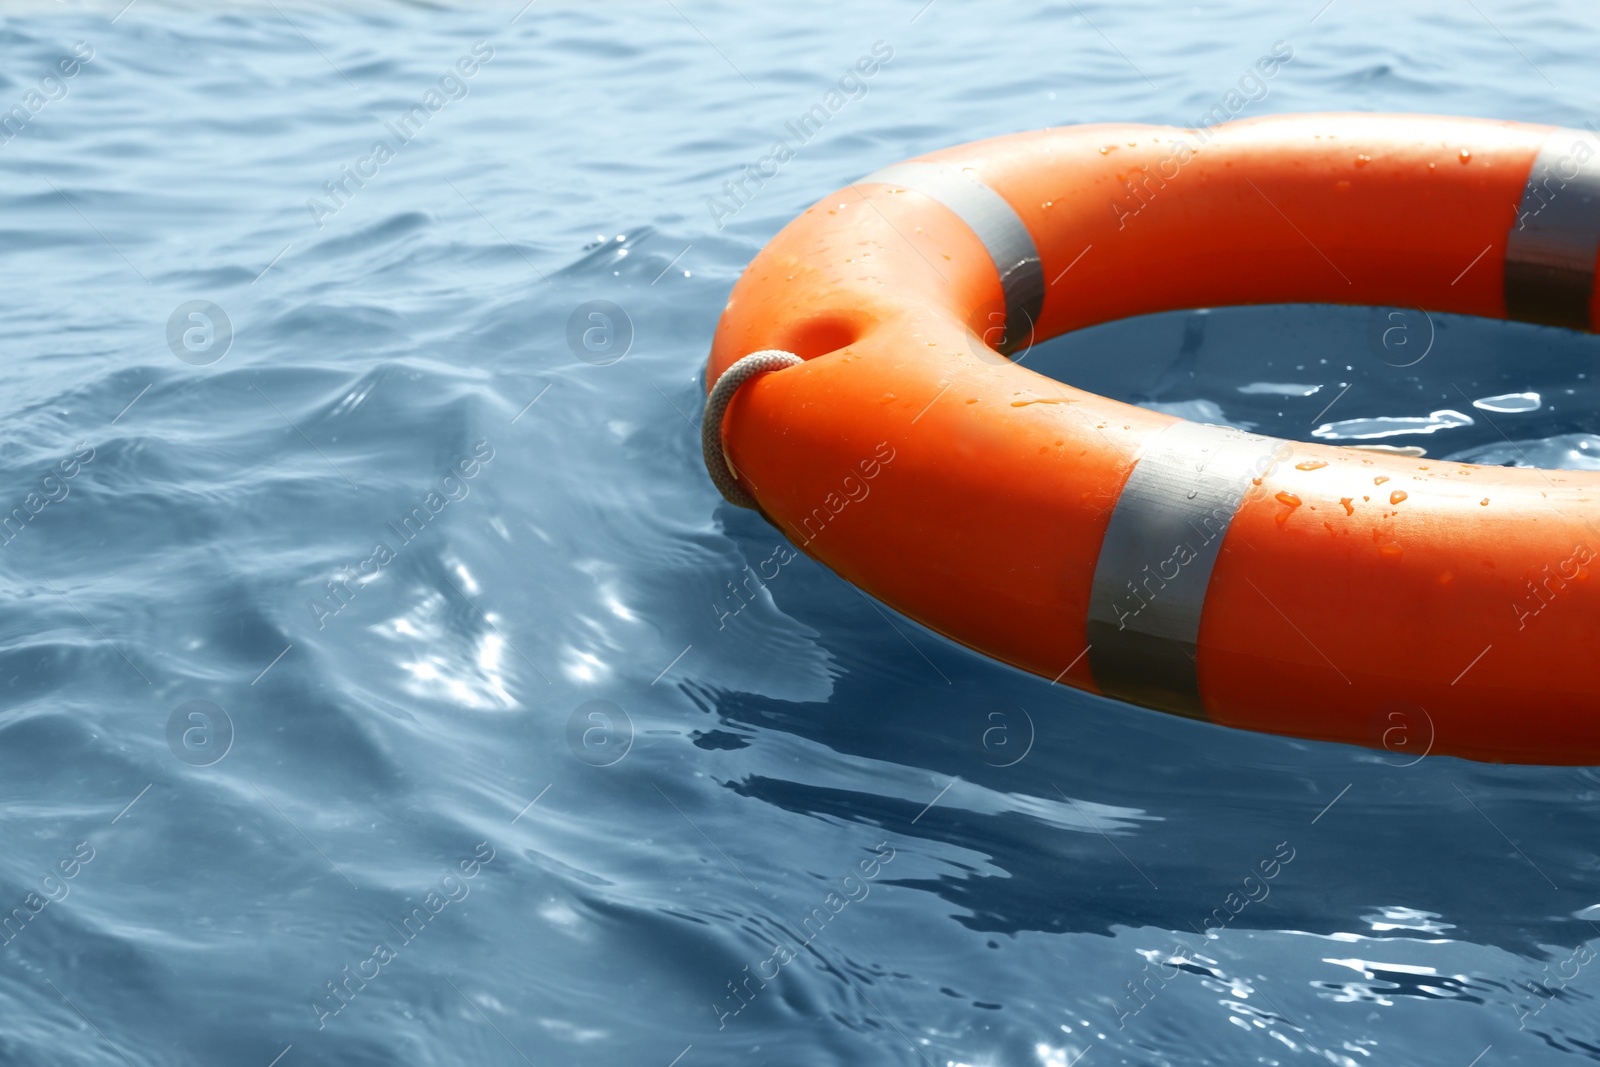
(722, 473)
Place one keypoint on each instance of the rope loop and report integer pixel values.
(722, 473)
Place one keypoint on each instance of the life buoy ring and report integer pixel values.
(1281, 586)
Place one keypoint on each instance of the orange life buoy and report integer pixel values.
(1282, 586)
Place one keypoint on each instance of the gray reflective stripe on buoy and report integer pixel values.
(995, 222)
(1550, 253)
(1156, 560)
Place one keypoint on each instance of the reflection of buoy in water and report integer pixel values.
(1152, 559)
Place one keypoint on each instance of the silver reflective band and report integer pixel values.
(1155, 563)
(1550, 253)
(988, 215)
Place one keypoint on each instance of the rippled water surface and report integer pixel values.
(334, 543)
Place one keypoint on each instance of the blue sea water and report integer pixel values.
(385, 683)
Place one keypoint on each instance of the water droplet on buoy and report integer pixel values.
(1288, 499)
(1310, 465)
(1193, 493)
(1466, 157)
(1349, 508)
(1484, 501)
(1363, 159)
(1390, 550)
(1397, 496)
(1380, 479)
